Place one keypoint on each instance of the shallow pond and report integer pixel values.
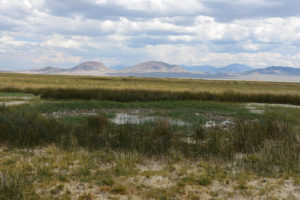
(12, 103)
(124, 118)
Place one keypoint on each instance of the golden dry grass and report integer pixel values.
(22, 81)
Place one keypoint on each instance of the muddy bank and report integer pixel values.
(273, 105)
(259, 108)
(13, 103)
(71, 113)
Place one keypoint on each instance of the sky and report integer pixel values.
(63, 33)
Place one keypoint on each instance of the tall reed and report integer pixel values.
(127, 95)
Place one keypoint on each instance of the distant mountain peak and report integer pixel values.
(153, 66)
(277, 70)
(48, 70)
(159, 63)
(91, 66)
(162, 69)
(235, 68)
(85, 68)
(232, 69)
(49, 67)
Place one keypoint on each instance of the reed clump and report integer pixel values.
(127, 95)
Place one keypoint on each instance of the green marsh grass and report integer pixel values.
(262, 141)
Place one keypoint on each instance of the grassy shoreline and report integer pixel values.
(126, 89)
(23, 81)
(46, 152)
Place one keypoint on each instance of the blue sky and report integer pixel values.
(63, 33)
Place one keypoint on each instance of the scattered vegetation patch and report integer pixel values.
(263, 146)
(16, 184)
(88, 157)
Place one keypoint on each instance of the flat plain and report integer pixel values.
(143, 139)
(22, 81)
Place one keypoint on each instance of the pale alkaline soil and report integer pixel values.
(10, 99)
(49, 172)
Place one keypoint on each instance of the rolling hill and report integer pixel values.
(165, 70)
(91, 66)
(86, 68)
(232, 69)
(276, 70)
(153, 66)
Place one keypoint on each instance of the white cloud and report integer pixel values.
(174, 31)
(19, 9)
(61, 42)
(11, 42)
(184, 38)
(250, 46)
(182, 54)
(164, 6)
(256, 2)
(54, 57)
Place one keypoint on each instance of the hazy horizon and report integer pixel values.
(121, 66)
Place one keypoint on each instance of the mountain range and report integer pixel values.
(277, 70)
(161, 69)
(233, 68)
(153, 66)
(86, 68)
